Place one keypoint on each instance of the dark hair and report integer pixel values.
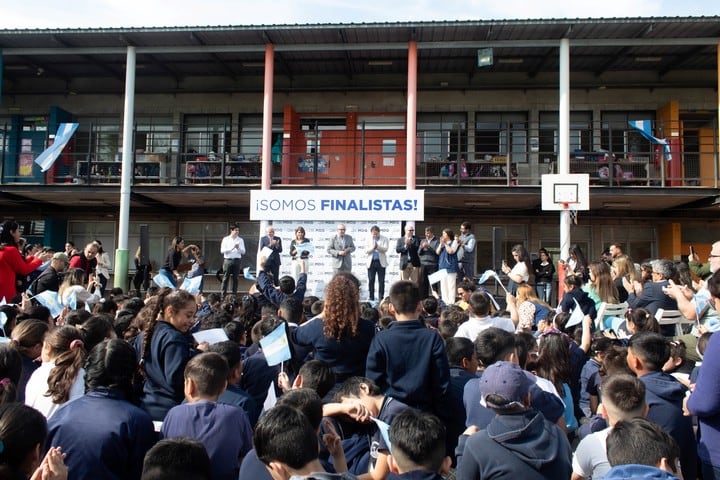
(69, 357)
(176, 241)
(215, 319)
(385, 321)
(640, 441)
(418, 440)
(230, 351)
(579, 255)
(352, 388)
(96, 329)
(307, 304)
(209, 371)
(523, 256)
(703, 342)
(624, 392)
(574, 281)
(6, 237)
(652, 348)
(22, 429)
(292, 310)
(370, 314)
(430, 305)
(176, 300)
(111, 364)
(643, 320)
(317, 375)
(234, 331)
(105, 305)
(467, 286)
(307, 401)
(493, 344)
(553, 362)
(36, 311)
(317, 307)
(458, 348)
(547, 254)
(77, 317)
(177, 458)
(615, 361)
(10, 371)
(466, 225)
(447, 329)
(404, 297)
(479, 303)
(713, 284)
(287, 284)
(285, 435)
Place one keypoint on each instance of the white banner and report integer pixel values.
(341, 205)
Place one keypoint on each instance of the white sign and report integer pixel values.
(341, 205)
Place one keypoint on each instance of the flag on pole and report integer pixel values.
(50, 299)
(645, 129)
(64, 132)
(275, 346)
(192, 285)
(162, 281)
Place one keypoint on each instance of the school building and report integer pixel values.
(471, 112)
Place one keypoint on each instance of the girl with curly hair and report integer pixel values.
(338, 335)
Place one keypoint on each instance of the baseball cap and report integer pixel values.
(507, 381)
(61, 256)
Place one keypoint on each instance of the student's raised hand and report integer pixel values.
(284, 382)
(357, 412)
(52, 466)
(332, 440)
(203, 347)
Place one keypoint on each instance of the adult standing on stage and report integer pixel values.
(377, 261)
(467, 261)
(233, 248)
(428, 260)
(407, 247)
(272, 262)
(299, 256)
(340, 247)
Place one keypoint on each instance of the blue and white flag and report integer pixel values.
(62, 137)
(645, 129)
(384, 430)
(491, 297)
(162, 281)
(72, 300)
(3, 319)
(275, 346)
(192, 285)
(50, 299)
(248, 275)
(487, 275)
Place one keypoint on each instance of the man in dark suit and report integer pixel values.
(272, 262)
(340, 248)
(407, 247)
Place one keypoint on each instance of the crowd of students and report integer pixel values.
(413, 388)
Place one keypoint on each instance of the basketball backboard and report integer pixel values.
(566, 192)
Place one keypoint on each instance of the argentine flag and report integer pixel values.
(192, 285)
(162, 281)
(64, 132)
(645, 129)
(275, 346)
(50, 299)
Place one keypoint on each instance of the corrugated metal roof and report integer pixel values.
(37, 59)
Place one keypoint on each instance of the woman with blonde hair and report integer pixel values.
(339, 336)
(73, 284)
(623, 267)
(526, 309)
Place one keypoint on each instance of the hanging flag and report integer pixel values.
(645, 129)
(162, 281)
(275, 346)
(192, 285)
(50, 299)
(62, 137)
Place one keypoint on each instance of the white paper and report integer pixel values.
(577, 316)
(212, 336)
(266, 252)
(434, 278)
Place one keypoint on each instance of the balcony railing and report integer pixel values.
(507, 156)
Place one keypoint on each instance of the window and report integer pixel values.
(153, 135)
(251, 137)
(100, 138)
(492, 131)
(618, 137)
(207, 135)
(580, 133)
(441, 136)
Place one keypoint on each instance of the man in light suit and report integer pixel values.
(340, 248)
(407, 247)
(376, 262)
(272, 262)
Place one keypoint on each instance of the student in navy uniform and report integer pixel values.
(103, 434)
(288, 287)
(223, 429)
(418, 441)
(165, 349)
(518, 442)
(647, 353)
(463, 367)
(258, 376)
(573, 291)
(408, 361)
(495, 345)
(233, 394)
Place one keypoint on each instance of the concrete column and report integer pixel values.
(267, 117)
(411, 126)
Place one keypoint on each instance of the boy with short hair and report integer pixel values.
(224, 430)
(623, 399)
(177, 458)
(640, 449)
(288, 446)
(233, 394)
(418, 443)
(408, 361)
(647, 353)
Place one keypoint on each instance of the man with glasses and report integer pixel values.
(340, 247)
(407, 247)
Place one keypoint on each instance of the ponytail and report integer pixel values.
(150, 328)
(68, 350)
